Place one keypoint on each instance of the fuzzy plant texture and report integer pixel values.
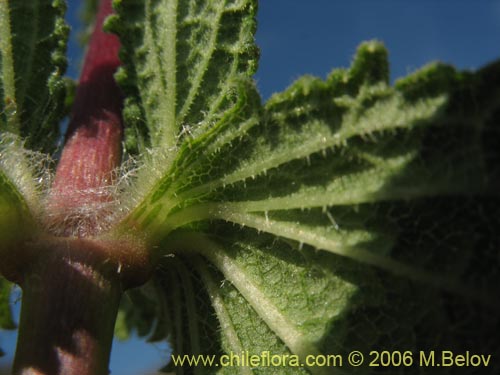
(343, 214)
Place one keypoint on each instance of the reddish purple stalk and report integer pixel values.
(93, 142)
(72, 280)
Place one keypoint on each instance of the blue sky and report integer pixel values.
(298, 37)
(312, 37)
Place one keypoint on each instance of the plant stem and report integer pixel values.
(80, 197)
(69, 307)
(72, 281)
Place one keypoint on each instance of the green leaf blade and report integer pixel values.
(339, 142)
(182, 55)
(8, 106)
(349, 195)
(15, 216)
(33, 63)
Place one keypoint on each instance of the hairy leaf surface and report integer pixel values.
(32, 60)
(343, 215)
(181, 60)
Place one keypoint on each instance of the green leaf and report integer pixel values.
(18, 195)
(32, 63)
(12, 209)
(340, 142)
(180, 59)
(185, 311)
(344, 215)
(8, 103)
(22, 175)
(288, 298)
(196, 158)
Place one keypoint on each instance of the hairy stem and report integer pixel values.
(72, 281)
(70, 302)
(82, 190)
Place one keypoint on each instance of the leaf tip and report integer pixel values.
(371, 64)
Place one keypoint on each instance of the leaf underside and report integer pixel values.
(344, 214)
(181, 61)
